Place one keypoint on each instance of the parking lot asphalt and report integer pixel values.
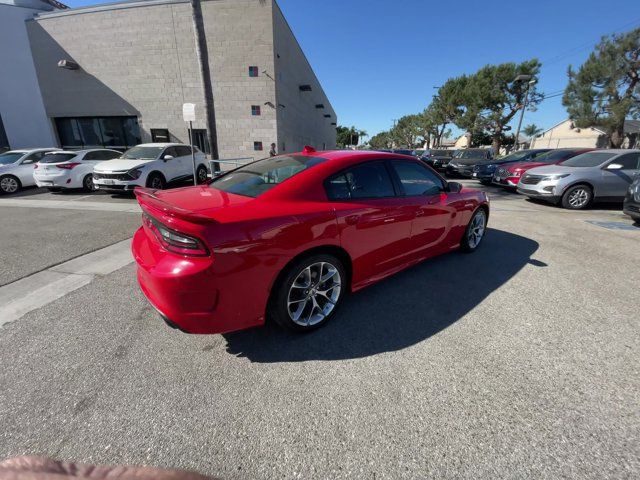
(518, 361)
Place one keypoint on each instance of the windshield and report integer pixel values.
(442, 153)
(591, 159)
(256, 178)
(139, 153)
(470, 154)
(57, 157)
(8, 158)
(553, 156)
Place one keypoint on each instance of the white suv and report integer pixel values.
(152, 165)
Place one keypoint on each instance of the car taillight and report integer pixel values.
(67, 166)
(173, 241)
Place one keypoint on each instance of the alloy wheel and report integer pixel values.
(202, 175)
(156, 183)
(314, 294)
(476, 229)
(9, 185)
(578, 198)
(88, 182)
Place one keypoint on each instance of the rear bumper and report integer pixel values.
(185, 290)
(58, 181)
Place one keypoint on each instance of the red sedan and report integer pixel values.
(509, 174)
(286, 237)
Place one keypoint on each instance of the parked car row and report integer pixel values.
(571, 177)
(153, 165)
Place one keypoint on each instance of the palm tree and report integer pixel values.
(202, 53)
(532, 130)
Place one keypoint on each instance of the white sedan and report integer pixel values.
(70, 169)
(16, 168)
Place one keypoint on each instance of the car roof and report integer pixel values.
(160, 144)
(29, 150)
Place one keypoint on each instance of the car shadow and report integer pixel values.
(400, 311)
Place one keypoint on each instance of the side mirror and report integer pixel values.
(167, 157)
(614, 166)
(454, 187)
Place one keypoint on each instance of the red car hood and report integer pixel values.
(189, 203)
(522, 166)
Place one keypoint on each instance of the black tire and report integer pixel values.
(470, 242)
(577, 197)
(201, 174)
(87, 183)
(485, 182)
(9, 184)
(156, 181)
(279, 303)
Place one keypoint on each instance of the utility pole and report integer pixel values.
(530, 81)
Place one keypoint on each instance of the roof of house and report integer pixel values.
(630, 126)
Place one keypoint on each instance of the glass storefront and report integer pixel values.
(119, 133)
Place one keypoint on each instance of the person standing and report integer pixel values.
(272, 150)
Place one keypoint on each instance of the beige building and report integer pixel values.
(565, 134)
(136, 66)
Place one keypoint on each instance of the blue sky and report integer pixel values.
(380, 59)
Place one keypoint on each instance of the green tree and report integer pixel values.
(606, 88)
(408, 131)
(492, 98)
(381, 141)
(447, 107)
(348, 136)
(532, 130)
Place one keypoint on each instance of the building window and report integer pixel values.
(4, 141)
(160, 135)
(201, 140)
(253, 71)
(84, 132)
(255, 110)
(257, 146)
(284, 147)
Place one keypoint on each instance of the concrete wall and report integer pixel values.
(300, 123)
(21, 107)
(563, 135)
(239, 35)
(133, 61)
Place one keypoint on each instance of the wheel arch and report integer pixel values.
(580, 182)
(155, 172)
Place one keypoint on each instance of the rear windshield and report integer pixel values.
(590, 159)
(256, 178)
(10, 157)
(57, 157)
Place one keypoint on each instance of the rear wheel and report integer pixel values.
(87, 183)
(156, 181)
(9, 184)
(577, 197)
(201, 174)
(474, 233)
(309, 293)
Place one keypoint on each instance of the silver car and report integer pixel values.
(599, 175)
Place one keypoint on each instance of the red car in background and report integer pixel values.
(509, 175)
(286, 237)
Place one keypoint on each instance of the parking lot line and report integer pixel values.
(71, 205)
(41, 288)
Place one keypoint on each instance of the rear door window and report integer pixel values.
(183, 151)
(416, 179)
(630, 161)
(367, 180)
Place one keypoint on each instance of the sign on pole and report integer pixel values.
(189, 112)
(189, 115)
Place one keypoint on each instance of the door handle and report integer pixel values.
(352, 219)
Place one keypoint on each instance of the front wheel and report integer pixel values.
(87, 183)
(474, 233)
(310, 293)
(577, 197)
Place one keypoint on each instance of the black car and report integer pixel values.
(485, 171)
(631, 204)
(404, 151)
(437, 158)
(463, 161)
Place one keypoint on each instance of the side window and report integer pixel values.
(630, 161)
(416, 179)
(170, 151)
(92, 156)
(369, 180)
(183, 151)
(109, 155)
(33, 158)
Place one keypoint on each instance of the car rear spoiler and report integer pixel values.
(146, 198)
